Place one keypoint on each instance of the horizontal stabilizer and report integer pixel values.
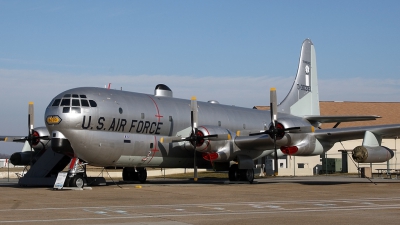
(338, 119)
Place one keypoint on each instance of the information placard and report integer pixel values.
(60, 180)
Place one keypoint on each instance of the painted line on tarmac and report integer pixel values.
(216, 209)
(218, 204)
(217, 213)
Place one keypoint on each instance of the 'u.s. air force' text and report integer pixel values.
(122, 125)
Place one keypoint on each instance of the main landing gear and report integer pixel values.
(236, 174)
(134, 174)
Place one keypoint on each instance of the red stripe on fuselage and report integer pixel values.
(158, 111)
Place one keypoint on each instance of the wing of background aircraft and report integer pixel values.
(12, 138)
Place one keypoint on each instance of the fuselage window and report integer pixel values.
(66, 102)
(56, 102)
(75, 102)
(84, 103)
(93, 103)
(75, 96)
(67, 96)
(66, 110)
(75, 110)
(83, 96)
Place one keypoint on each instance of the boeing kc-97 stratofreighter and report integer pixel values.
(105, 127)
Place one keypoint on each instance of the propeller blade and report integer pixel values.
(273, 106)
(194, 121)
(218, 137)
(273, 132)
(31, 116)
(171, 139)
(194, 117)
(275, 158)
(194, 163)
(306, 129)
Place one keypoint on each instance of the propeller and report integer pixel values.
(276, 129)
(33, 137)
(196, 136)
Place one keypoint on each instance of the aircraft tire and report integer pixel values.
(247, 175)
(141, 174)
(128, 174)
(77, 181)
(234, 174)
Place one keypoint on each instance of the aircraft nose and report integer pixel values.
(60, 144)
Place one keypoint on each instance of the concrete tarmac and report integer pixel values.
(282, 200)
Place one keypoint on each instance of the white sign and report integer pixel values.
(60, 180)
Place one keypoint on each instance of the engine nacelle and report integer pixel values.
(308, 147)
(209, 146)
(22, 158)
(366, 154)
(40, 144)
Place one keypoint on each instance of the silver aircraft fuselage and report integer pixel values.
(118, 128)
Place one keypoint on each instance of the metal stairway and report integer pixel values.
(45, 170)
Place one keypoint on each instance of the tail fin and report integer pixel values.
(303, 98)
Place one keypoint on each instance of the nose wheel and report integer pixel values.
(76, 174)
(77, 181)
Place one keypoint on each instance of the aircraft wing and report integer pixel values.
(12, 138)
(260, 142)
(338, 119)
(351, 133)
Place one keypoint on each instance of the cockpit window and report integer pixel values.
(75, 102)
(72, 103)
(75, 109)
(65, 102)
(93, 103)
(84, 103)
(66, 110)
(56, 102)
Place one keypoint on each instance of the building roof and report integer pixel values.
(389, 111)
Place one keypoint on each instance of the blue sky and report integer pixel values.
(231, 51)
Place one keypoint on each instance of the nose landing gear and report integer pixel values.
(76, 174)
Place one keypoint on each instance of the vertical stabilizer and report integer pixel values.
(303, 97)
